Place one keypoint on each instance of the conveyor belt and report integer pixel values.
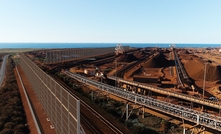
(200, 118)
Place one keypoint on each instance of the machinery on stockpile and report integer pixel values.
(128, 61)
(119, 49)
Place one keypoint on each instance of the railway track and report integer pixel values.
(89, 125)
(93, 129)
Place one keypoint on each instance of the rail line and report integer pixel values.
(83, 118)
(89, 125)
(200, 118)
(95, 113)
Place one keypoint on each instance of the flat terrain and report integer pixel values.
(17, 50)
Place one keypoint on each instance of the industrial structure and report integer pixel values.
(58, 56)
(62, 108)
(152, 71)
(200, 118)
(119, 49)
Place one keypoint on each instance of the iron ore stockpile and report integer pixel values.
(191, 72)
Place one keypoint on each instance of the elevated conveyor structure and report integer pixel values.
(178, 70)
(198, 100)
(181, 72)
(200, 118)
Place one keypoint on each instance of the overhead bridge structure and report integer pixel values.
(65, 55)
(200, 118)
(210, 103)
(62, 109)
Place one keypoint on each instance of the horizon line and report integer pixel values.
(113, 42)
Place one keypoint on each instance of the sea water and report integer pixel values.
(92, 45)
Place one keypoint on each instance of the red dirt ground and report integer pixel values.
(195, 69)
(36, 106)
(126, 58)
(30, 121)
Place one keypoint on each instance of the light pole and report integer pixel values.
(204, 83)
(116, 74)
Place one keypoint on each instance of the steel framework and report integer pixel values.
(61, 107)
(200, 118)
(57, 56)
(181, 72)
(210, 103)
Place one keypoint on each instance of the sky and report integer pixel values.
(111, 21)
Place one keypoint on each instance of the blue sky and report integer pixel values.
(117, 21)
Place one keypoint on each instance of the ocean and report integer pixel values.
(94, 45)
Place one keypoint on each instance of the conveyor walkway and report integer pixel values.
(200, 118)
(210, 103)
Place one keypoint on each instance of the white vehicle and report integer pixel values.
(213, 98)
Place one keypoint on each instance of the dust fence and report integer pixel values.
(62, 109)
